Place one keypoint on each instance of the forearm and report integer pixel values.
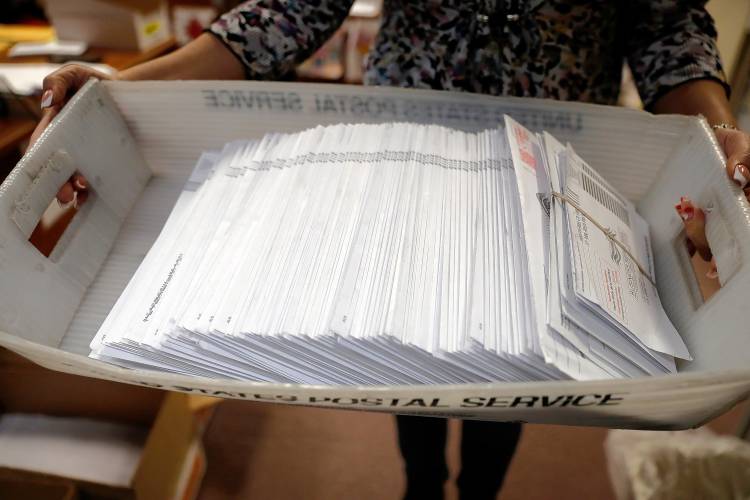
(205, 58)
(704, 97)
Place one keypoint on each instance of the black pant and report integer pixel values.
(486, 451)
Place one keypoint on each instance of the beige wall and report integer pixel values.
(732, 21)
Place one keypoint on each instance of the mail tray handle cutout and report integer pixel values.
(38, 212)
(50, 231)
(711, 249)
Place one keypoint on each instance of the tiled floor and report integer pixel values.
(259, 451)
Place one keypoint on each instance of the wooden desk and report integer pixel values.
(15, 130)
(26, 387)
(118, 59)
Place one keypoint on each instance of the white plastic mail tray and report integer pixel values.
(117, 133)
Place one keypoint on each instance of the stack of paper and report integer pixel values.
(395, 254)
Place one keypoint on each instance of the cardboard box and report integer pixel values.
(51, 308)
(171, 464)
(20, 486)
(112, 24)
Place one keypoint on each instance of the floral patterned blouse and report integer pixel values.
(569, 50)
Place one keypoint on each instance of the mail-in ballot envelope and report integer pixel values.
(138, 143)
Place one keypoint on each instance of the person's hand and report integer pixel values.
(736, 146)
(57, 88)
(75, 191)
(694, 220)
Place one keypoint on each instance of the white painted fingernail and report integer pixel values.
(738, 177)
(47, 99)
(741, 175)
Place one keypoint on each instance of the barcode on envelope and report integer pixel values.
(604, 198)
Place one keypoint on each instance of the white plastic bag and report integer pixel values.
(693, 464)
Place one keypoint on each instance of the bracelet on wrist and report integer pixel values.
(728, 126)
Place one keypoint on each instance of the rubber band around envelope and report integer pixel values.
(606, 231)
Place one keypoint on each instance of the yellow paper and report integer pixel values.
(13, 33)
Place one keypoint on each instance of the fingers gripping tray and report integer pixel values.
(39, 294)
(715, 329)
(50, 308)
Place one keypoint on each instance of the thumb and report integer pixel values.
(55, 89)
(736, 146)
(738, 168)
(64, 82)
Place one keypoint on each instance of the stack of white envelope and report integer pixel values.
(395, 254)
